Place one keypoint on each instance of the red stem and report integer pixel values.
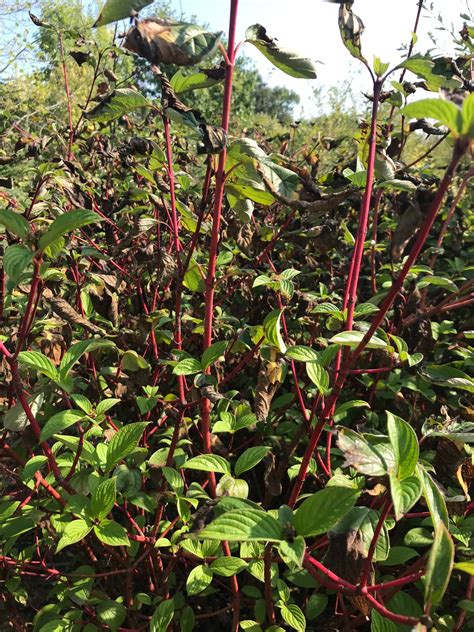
(459, 150)
(216, 222)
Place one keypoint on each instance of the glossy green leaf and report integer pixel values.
(243, 525)
(103, 498)
(228, 566)
(290, 63)
(302, 353)
(441, 110)
(467, 114)
(208, 463)
(66, 223)
(405, 493)
(124, 442)
(250, 458)
(353, 338)
(272, 329)
(75, 531)
(114, 10)
(132, 361)
(213, 353)
(32, 466)
(198, 580)
(433, 496)
(111, 533)
(59, 422)
(77, 350)
(322, 510)
(440, 565)
(466, 567)
(162, 616)
(14, 223)
(16, 260)
(188, 366)
(38, 361)
(122, 101)
(182, 82)
(293, 616)
(449, 376)
(404, 444)
(318, 375)
(292, 553)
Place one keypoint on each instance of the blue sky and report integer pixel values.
(310, 27)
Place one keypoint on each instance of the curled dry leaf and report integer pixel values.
(166, 42)
(268, 382)
(351, 28)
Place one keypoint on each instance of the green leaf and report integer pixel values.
(438, 281)
(59, 422)
(111, 614)
(121, 101)
(77, 350)
(399, 555)
(14, 527)
(360, 454)
(66, 223)
(188, 366)
(131, 361)
(448, 376)
(180, 82)
(124, 442)
(75, 531)
(380, 68)
(440, 565)
(290, 63)
(467, 114)
(243, 525)
(213, 353)
(433, 496)
(208, 463)
(112, 533)
(353, 338)
(32, 466)
(162, 616)
(250, 458)
(342, 409)
(293, 616)
(103, 498)
(292, 553)
(445, 112)
(198, 580)
(302, 353)
(319, 376)
(114, 10)
(16, 260)
(228, 566)
(466, 567)
(322, 510)
(404, 443)
(271, 327)
(405, 493)
(38, 361)
(15, 223)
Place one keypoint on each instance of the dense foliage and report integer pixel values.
(236, 352)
